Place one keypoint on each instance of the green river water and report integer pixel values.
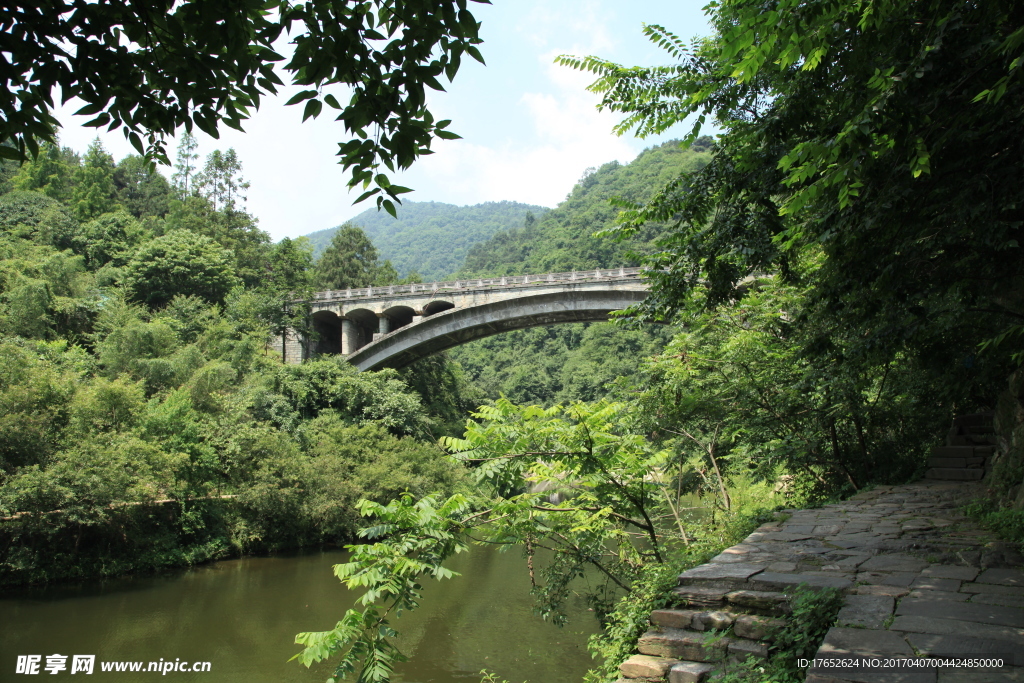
(242, 617)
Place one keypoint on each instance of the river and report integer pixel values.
(242, 617)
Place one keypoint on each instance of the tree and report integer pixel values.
(234, 230)
(50, 172)
(882, 132)
(221, 181)
(150, 69)
(35, 216)
(111, 238)
(180, 262)
(290, 265)
(185, 168)
(351, 261)
(94, 192)
(141, 188)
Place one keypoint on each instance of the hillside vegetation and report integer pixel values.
(563, 238)
(432, 238)
(563, 363)
(143, 423)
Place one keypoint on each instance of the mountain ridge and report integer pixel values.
(411, 241)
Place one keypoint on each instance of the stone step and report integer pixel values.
(974, 420)
(773, 581)
(672, 643)
(740, 649)
(648, 668)
(961, 451)
(759, 602)
(692, 619)
(701, 598)
(982, 429)
(955, 474)
(971, 440)
(972, 462)
(690, 672)
(748, 626)
(705, 648)
(730, 575)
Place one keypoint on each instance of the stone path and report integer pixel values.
(920, 579)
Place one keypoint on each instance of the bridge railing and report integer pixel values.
(429, 288)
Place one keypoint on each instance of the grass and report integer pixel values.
(1007, 523)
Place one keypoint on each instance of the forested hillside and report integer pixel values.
(573, 362)
(563, 238)
(432, 238)
(143, 422)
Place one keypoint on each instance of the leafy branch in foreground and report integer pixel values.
(876, 134)
(412, 539)
(609, 523)
(148, 69)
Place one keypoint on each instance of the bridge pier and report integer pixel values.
(349, 342)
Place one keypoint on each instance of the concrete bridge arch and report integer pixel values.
(395, 326)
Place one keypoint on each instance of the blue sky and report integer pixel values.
(530, 129)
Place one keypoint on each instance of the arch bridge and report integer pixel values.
(393, 326)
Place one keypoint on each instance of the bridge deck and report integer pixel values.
(461, 286)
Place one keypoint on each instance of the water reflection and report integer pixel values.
(242, 616)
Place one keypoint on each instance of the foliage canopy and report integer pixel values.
(148, 69)
(881, 131)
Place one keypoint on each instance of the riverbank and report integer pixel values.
(141, 539)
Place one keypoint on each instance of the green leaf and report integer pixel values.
(475, 54)
(101, 120)
(136, 142)
(312, 109)
(366, 195)
(90, 109)
(299, 97)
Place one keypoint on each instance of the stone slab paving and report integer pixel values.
(921, 580)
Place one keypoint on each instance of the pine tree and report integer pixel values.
(184, 168)
(351, 261)
(221, 181)
(94, 192)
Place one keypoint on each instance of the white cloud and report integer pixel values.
(569, 135)
(531, 127)
(588, 21)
